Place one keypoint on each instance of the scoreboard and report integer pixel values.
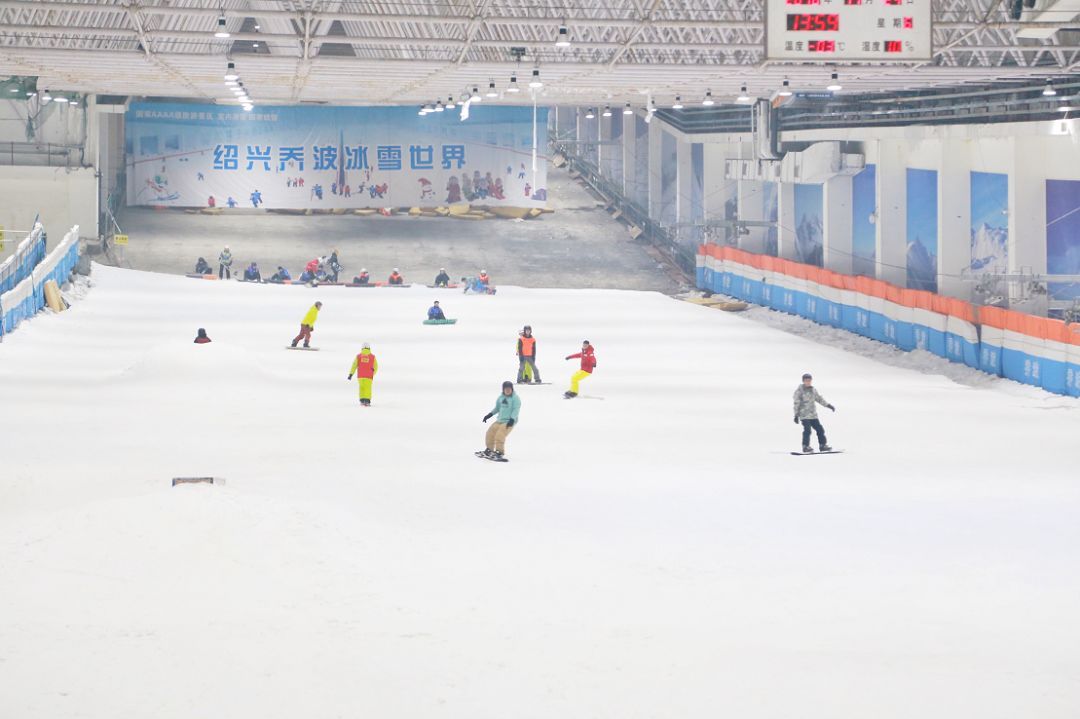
(879, 30)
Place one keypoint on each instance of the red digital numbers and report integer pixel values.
(821, 45)
(853, 2)
(819, 22)
(893, 46)
(909, 23)
(894, 2)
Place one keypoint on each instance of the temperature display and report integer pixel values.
(820, 22)
(848, 30)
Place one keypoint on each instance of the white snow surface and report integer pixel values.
(655, 554)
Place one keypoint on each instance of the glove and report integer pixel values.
(349, 377)
(568, 357)
(510, 422)
(488, 416)
(796, 419)
(831, 407)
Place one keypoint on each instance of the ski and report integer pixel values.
(309, 349)
(829, 451)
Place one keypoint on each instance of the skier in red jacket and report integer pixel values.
(588, 364)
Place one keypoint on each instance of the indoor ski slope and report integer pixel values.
(654, 551)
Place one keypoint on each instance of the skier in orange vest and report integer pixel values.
(526, 352)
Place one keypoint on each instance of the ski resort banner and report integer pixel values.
(334, 157)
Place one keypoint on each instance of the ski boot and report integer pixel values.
(807, 449)
(569, 395)
(498, 456)
(824, 448)
(486, 453)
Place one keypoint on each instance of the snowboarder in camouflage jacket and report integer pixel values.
(806, 399)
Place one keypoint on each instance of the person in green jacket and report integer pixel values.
(506, 410)
(225, 264)
(307, 325)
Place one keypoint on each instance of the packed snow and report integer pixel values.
(652, 549)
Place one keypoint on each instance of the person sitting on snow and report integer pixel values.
(201, 338)
(435, 313)
(442, 279)
(363, 278)
(252, 274)
(396, 278)
(202, 267)
(281, 275)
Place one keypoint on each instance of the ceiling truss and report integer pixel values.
(394, 51)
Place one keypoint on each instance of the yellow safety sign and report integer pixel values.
(120, 240)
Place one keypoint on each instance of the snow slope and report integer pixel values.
(655, 554)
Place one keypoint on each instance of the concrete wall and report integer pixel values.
(61, 196)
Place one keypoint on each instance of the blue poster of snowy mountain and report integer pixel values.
(1063, 236)
(922, 229)
(809, 226)
(770, 202)
(863, 218)
(989, 222)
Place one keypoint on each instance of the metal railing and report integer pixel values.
(667, 238)
(39, 154)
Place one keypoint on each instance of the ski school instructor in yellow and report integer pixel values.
(364, 366)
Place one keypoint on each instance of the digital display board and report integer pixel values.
(848, 30)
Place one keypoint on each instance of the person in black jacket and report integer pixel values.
(442, 279)
(202, 267)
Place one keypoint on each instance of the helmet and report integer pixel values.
(395, 269)
(366, 346)
(363, 269)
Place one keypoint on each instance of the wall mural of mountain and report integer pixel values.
(809, 225)
(1063, 236)
(989, 222)
(922, 229)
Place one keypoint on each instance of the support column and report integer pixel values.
(1027, 216)
(891, 254)
(954, 218)
(655, 176)
(683, 182)
(751, 203)
(836, 201)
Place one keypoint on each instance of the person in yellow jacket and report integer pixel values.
(364, 366)
(307, 325)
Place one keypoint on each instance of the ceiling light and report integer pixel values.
(678, 103)
(248, 108)
(627, 110)
(256, 26)
(535, 82)
(743, 97)
(564, 37)
(46, 97)
(13, 88)
(834, 84)
(255, 45)
(30, 93)
(450, 103)
(652, 105)
(230, 83)
(439, 106)
(230, 72)
(708, 101)
(491, 89)
(221, 30)
(476, 94)
(60, 99)
(607, 110)
(513, 86)
(1049, 90)
(785, 89)
(590, 114)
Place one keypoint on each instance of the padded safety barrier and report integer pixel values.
(27, 298)
(1034, 350)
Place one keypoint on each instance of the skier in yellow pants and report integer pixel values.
(364, 367)
(588, 364)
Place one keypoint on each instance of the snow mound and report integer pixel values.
(208, 366)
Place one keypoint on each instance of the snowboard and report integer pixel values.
(481, 455)
(582, 396)
(451, 286)
(306, 349)
(447, 321)
(830, 451)
(527, 383)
